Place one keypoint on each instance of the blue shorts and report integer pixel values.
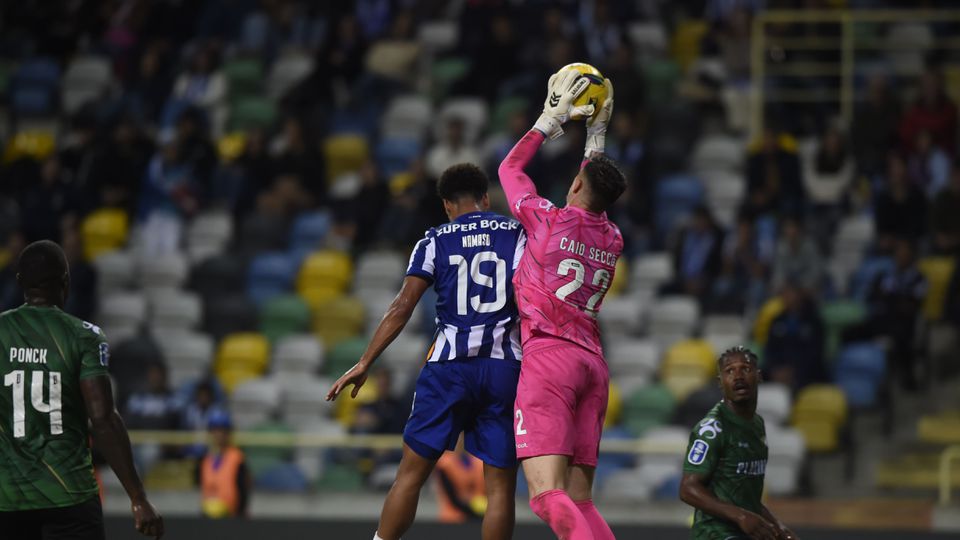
(474, 396)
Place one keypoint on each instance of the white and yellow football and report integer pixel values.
(595, 94)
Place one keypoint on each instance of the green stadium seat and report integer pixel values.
(661, 77)
(252, 112)
(263, 458)
(445, 73)
(503, 110)
(648, 407)
(340, 478)
(284, 315)
(344, 355)
(837, 316)
(245, 77)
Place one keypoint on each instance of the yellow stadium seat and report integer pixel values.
(339, 319)
(621, 277)
(326, 269)
(345, 410)
(819, 435)
(685, 45)
(682, 384)
(232, 378)
(821, 402)
(102, 231)
(244, 352)
(37, 145)
(691, 355)
(344, 153)
(315, 296)
(231, 145)
(938, 271)
(768, 312)
(614, 406)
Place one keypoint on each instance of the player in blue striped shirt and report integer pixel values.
(469, 381)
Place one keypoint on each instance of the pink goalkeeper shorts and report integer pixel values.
(561, 402)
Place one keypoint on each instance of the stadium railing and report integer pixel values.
(947, 457)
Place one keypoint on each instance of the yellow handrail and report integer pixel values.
(375, 442)
(947, 458)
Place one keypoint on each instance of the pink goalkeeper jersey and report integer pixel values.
(568, 263)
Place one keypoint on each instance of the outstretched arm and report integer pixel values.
(516, 184)
(396, 317)
(110, 436)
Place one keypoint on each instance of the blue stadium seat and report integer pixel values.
(675, 197)
(270, 275)
(668, 489)
(862, 279)
(860, 371)
(394, 155)
(32, 101)
(34, 87)
(38, 72)
(308, 231)
(353, 120)
(282, 478)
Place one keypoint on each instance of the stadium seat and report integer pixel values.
(910, 42)
(252, 112)
(86, 78)
(396, 154)
(188, 354)
(648, 407)
(262, 233)
(725, 192)
(786, 452)
(309, 231)
(103, 230)
(254, 402)
(308, 460)
(304, 399)
(240, 357)
(862, 280)
(125, 309)
(316, 296)
(261, 459)
(344, 355)
(769, 311)
(633, 357)
(270, 275)
(837, 316)
(339, 319)
(773, 403)
(244, 76)
(298, 354)
(473, 111)
(819, 412)
(718, 153)
(228, 314)
(340, 479)
(860, 371)
(287, 71)
(380, 270)
(163, 273)
(691, 410)
(938, 271)
(377, 300)
(34, 87)
(115, 272)
(438, 35)
(327, 269)
(208, 234)
(175, 309)
(344, 153)
(129, 359)
(282, 478)
(220, 275)
(674, 199)
(444, 74)
(649, 38)
(661, 77)
(685, 45)
(673, 316)
(650, 271)
(504, 109)
(621, 315)
(37, 145)
(407, 116)
(284, 315)
(687, 365)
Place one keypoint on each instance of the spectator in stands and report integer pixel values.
(601, 30)
(945, 217)
(900, 209)
(774, 175)
(168, 195)
(928, 167)
(828, 174)
(798, 260)
(393, 58)
(451, 149)
(151, 408)
(460, 486)
(257, 170)
(934, 112)
(196, 414)
(895, 299)
(82, 300)
(149, 86)
(697, 255)
(731, 42)
(222, 474)
(494, 59)
(745, 268)
(795, 345)
(362, 214)
(874, 128)
(196, 149)
(45, 202)
(205, 86)
(384, 415)
(120, 164)
(296, 156)
(630, 84)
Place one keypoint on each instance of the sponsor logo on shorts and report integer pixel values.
(521, 445)
(698, 452)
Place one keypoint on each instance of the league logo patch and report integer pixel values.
(93, 328)
(104, 354)
(698, 452)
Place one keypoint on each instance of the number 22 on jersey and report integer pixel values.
(601, 278)
(17, 380)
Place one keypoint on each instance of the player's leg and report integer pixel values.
(545, 434)
(489, 437)
(433, 427)
(589, 416)
(80, 522)
(400, 506)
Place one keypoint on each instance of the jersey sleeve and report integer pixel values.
(94, 351)
(526, 205)
(703, 448)
(423, 259)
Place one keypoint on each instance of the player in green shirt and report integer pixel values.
(727, 458)
(55, 380)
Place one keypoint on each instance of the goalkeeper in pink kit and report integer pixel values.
(566, 268)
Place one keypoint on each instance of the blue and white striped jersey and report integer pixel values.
(471, 261)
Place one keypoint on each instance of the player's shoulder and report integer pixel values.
(711, 425)
(82, 328)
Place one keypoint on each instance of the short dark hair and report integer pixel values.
(738, 351)
(607, 182)
(462, 180)
(42, 265)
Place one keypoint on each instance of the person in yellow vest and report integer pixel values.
(460, 487)
(223, 475)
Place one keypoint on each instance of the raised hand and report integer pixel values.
(357, 375)
(562, 89)
(597, 125)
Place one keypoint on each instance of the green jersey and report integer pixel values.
(731, 453)
(44, 444)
